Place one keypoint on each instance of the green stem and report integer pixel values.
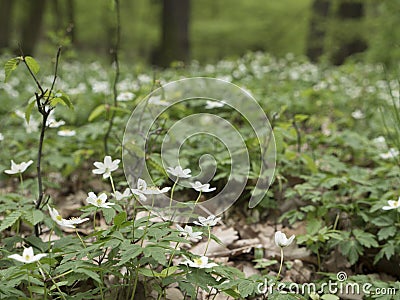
(209, 238)
(147, 222)
(29, 284)
(77, 233)
(135, 283)
(94, 219)
(172, 192)
(112, 184)
(280, 267)
(52, 280)
(21, 180)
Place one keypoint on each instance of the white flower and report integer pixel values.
(142, 189)
(18, 168)
(380, 142)
(198, 186)
(179, 172)
(27, 256)
(358, 114)
(52, 123)
(214, 104)
(119, 196)
(209, 221)
(98, 201)
(156, 100)
(201, 263)
(281, 240)
(66, 132)
(1, 137)
(106, 167)
(393, 204)
(125, 96)
(64, 222)
(392, 153)
(188, 232)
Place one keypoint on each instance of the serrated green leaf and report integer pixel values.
(10, 66)
(246, 288)
(366, 239)
(33, 216)
(120, 218)
(108, 214)
(129, 252)
(89, 273)
(386, 232)
(10, 220)
(32, 64)
(157, 253)
(351, 249)
(97, 112)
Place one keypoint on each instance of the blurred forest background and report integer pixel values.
(162, 32)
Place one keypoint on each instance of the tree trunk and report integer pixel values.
(174, 44)
(317, 30)
(6, 7)
(32, 25)
(353, 11)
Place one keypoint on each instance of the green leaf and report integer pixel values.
(32, 64)
(366, 239)
(90, 274)
(97, 112)
(108, 214)
(33, 216)
(62, 98)
(28, 110)
(157, 253)
(382, 221)
(10, 66)
(120, 218)
(246, 288)
(329, 297)
(352, 249)
(129, 252)
(386, 232)
(10, 220)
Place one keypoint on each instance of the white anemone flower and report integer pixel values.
(205, 188)
(64, 222)
(189, 233)
(200, 263)
(66, 132)
(119, 196)
(18, 168)
(392, 204)
(214, 104)
(142, 189)
(392, 153)
(281, 240)
(207, 222)
(179, 172)
(27, 256)
(98, 201)
(106, 167)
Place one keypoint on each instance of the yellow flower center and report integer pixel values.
(197, 261)
(27, 257)
(59, 218)
(99, 201)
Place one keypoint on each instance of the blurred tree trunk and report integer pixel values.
(174, 44)
(354, 11)
(32, 24)
(71, 20)
(6, 7)
(317, 30)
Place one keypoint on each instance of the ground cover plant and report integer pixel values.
(72, 227)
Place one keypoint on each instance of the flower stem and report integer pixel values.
(52, 280)
(280, 267)
(29, 284)
(172, 192)
(21, 180)
(94, 220)
(77, 233)
(112, 184)
(208, 242)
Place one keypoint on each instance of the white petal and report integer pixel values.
(17, 257)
